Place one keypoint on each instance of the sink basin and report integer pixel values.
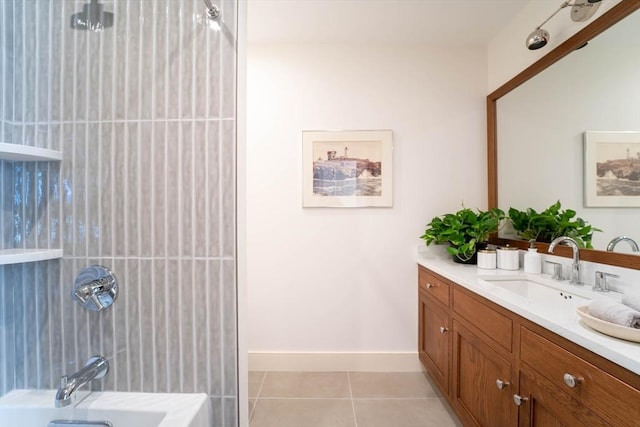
(539, 292)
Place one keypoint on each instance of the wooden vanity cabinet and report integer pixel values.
(482, 379)
(589, 393)
(484, 371)
(499, 369)
(543, 404)
(434, 339)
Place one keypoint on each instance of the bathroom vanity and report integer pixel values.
(502, 359)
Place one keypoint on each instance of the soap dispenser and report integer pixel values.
(532, 259)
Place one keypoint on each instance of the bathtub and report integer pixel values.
(34, 408)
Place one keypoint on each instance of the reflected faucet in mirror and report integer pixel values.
(612, 244)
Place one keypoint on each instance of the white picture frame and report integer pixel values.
(612, 169)
(347, 169)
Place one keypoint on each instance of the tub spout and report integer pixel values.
(96, 368)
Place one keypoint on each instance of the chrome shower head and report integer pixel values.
(92, 17)
(213, 11)
(538, 38)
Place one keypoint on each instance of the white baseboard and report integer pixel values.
(334, 362)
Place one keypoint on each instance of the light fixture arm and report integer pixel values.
(562, 6)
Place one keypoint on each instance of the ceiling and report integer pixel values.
(436, 22)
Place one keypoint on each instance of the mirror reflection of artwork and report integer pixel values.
(617, 169)
(347, 168)
(612, 169)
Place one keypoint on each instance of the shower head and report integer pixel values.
(92, 18)
(213, 11)
(538, 38)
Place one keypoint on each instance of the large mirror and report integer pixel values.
(537, 121)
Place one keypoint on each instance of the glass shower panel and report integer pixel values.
(144, 112)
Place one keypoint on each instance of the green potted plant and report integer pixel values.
(464, 231)
(551, 223)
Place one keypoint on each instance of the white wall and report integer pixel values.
(344, 280)
(507, 54)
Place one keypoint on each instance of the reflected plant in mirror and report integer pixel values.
(551, 223)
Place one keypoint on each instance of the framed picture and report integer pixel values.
(612, 169)
(347, 168)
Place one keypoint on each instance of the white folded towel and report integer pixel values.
(610, 311)
(632, 301)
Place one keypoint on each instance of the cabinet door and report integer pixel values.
(482, 381)
(544, 405)
(605, 395)
(434, 341)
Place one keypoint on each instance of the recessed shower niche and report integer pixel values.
(25, 155)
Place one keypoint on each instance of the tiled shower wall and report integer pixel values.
(144, 113)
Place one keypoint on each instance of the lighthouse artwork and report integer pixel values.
(612, 168)
(347, 169)
(355, 174)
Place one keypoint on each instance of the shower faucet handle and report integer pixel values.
(95, 288)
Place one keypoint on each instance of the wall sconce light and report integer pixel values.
(581, 10)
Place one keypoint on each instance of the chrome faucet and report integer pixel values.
(95, 288)
(575, 266)
(601, 284)
(96, 368)
(612, 244)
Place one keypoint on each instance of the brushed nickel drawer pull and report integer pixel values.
(517, 399)
(443, 329)
(571, 380)
(501, 384)
(429, 285)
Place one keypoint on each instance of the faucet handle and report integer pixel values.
(557, 270)
(95, 288)
(601, 281)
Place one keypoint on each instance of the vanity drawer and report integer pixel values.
(496, 325)
(433, 286)
(594, 388)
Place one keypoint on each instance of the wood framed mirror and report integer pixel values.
(607, 20)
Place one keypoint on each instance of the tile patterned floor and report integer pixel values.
(346, 399)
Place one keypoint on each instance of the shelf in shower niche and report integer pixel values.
(17, 256)
(25, 153)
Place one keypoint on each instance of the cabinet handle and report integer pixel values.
(571, 380)
(429, 285)
(501, 384)
(443, 329)
(517, 399)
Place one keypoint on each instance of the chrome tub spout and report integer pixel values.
(96, 368)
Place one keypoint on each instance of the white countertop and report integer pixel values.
(565, 323)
